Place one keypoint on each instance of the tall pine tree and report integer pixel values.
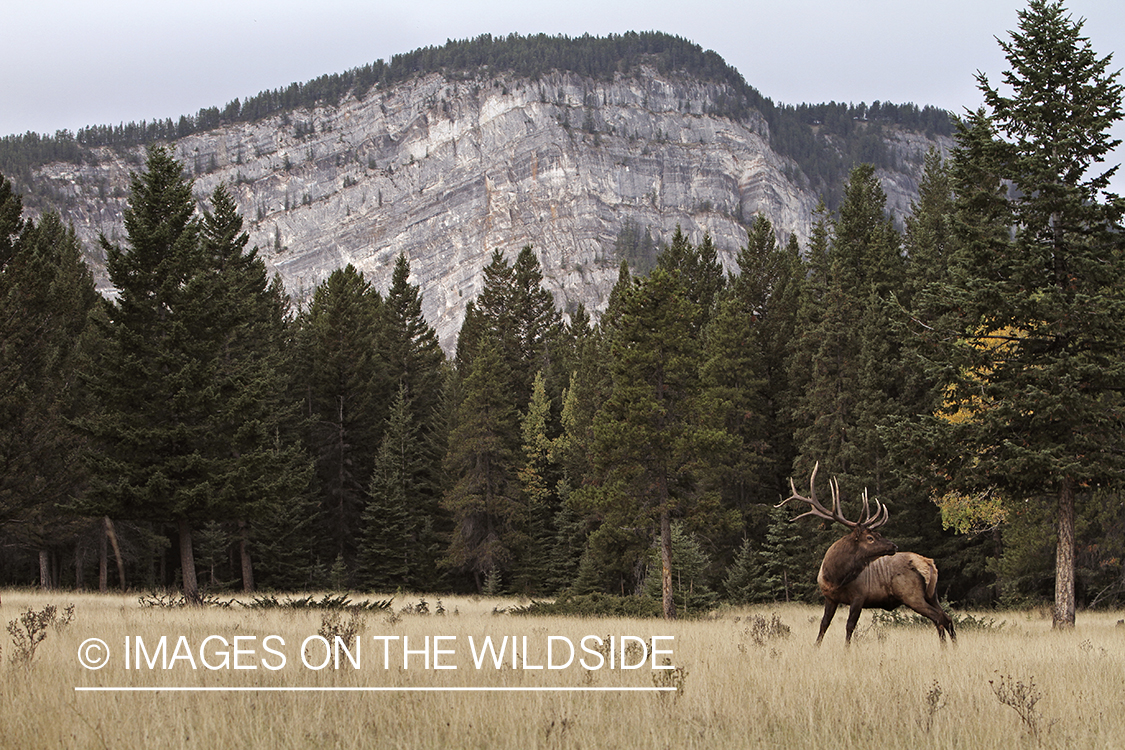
(46, 299)
(482, 464)
(343, 382)
(152, 423)
(1039, 304)
(646, 439)
(258, 467)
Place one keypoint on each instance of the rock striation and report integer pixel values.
(447, 169)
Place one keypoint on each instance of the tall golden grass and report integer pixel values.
(738, 684)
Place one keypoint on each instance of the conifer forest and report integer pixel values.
(202, 430)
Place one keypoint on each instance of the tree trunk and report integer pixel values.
(109, 532)
(1064, 559)
(187, 563)
(44, 569)
(103, 558)
(666, 564)
(79, 564)
(244, 553)
(998, 545)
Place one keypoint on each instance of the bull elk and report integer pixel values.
(865, 570)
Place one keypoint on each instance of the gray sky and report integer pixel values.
(71, 63)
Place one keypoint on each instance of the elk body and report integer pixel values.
(863, 570)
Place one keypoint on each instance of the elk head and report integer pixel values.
(850, 554)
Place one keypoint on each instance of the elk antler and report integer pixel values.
(870, 520)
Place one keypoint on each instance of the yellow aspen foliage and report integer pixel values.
(980, 511)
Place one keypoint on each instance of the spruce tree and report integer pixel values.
(536, 321)
(929, 242)
(491, 310)
(645, 436)
(256, 460)
(414, 360)
(151, 422)
(743, 582)
(46, 299)
(699, 272)
(1040, 313)
(482, 464)
(802, 365)
(735, 375)
(777, 334)
(690, 584)
(519, 313)
(850, 358)
(412, 352)
(342, 381)
(790, 555)
(539, 502)
(391, 554)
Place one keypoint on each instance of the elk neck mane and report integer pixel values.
(841, 564)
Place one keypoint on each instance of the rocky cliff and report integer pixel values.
(446, 169)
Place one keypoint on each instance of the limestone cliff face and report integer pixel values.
(447, 170)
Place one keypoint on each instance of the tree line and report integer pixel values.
(967, 370)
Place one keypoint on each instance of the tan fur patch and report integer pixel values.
(926, 568)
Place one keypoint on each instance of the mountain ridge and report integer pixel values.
(446, 166)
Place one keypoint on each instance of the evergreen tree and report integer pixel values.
(778, 333)
(790, 555)
(743, 582)
(645, 439)
(539, 501)
(413, 353)
(46, 299)
(414, 360)
(256, 460)
(1040, 316)
(851, 359)
(735, 374)
(699, 272)
(393, 552)
(152, 423)
(490, 311)
(520, 315)
(616, 297)
(690, 566)
(802, 365)
(214, 542)
(928, 239)
(929, 242)
(483, 497)
(343, 383)
(536, 321)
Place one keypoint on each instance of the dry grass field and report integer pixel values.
(740, 682)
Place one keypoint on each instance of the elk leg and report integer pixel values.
(943, 623)
(941, 620)
(826, 620)
(853, 618)
(940, 626)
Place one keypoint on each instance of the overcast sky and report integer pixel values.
(72, 63)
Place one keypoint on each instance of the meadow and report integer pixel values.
(740, 678)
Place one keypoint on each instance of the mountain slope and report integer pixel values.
(446, 166)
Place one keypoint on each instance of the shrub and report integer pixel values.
(30, 628)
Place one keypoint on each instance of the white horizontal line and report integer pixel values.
(374, 689)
